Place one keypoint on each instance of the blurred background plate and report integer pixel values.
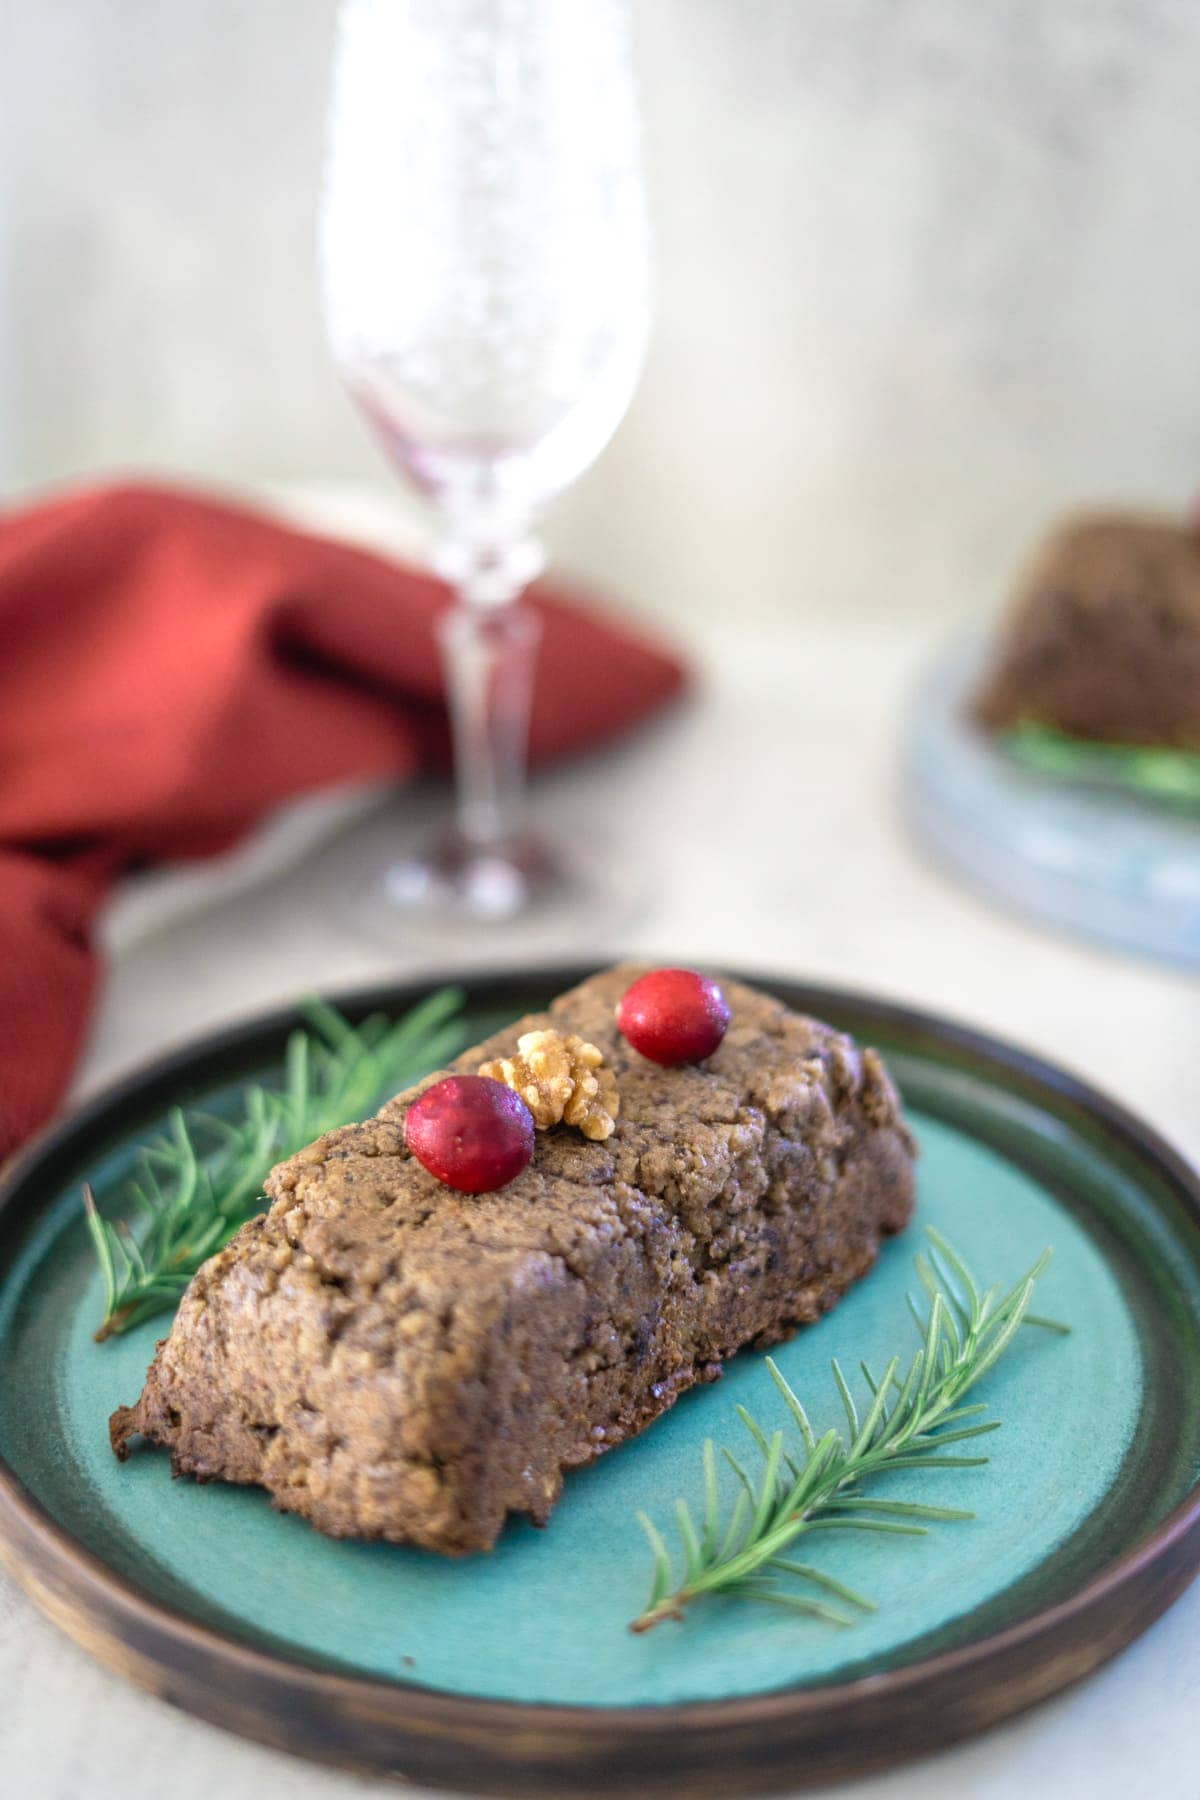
(514, 1672)
(1098, 862)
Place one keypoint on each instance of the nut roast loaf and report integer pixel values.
(392, 1359)
(1102, 640)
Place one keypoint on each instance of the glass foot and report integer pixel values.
(517, 899)
(455, 879)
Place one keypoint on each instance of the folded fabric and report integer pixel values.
(171, 669)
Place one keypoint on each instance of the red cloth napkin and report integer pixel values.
(171, 668)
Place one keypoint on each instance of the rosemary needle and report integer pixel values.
(202, 1178)
(906, 1421)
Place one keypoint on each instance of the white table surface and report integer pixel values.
(765, 822)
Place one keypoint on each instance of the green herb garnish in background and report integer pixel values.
(1159, 773)
(906, 1422)
(200, 1181)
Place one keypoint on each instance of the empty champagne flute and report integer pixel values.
(485, 268)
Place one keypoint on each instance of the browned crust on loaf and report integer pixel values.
(391, 1359)
(1103, 637)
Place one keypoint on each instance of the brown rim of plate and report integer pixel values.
(791, 1737)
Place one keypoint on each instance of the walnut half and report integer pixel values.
(561, 1078)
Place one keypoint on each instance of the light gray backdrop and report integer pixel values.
(926, 270)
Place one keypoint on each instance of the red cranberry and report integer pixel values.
(673, 1016)
(473, 1133)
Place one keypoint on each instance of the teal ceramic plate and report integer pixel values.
(515, 1671)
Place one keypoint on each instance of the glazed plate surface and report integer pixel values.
(515, 1670)
(1100, 862)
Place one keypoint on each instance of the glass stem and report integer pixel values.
(489, 646)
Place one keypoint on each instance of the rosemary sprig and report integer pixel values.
(905, 1421)
(202, 1179)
